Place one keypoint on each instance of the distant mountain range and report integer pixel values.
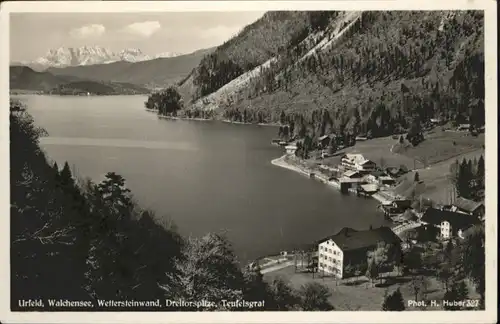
(89, 55)
(95, 64)
(156, 73)
(23, 78)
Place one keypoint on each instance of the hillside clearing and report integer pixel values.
(442, 145)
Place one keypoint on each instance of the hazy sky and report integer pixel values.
(33, 34)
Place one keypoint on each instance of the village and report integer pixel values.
(418, 223)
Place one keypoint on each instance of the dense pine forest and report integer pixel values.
(378, 73)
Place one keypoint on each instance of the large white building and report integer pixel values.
(358, 162)
(350, 247)
(330, 258)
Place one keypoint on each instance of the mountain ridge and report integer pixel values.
(26, 79)
(90, 55)
(159, 72)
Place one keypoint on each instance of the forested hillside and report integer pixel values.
(377, 72)
(25, 78)
(98, 88)
(254, 45)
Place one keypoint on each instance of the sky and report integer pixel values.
(33, 34)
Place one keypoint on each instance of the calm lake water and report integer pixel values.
(205, 176)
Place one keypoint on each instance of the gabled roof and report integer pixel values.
(351, 173)
(459, 220)
(402, 203)
(350, 239)
(365, 162)
(369, 187)
(355, 157)
(378, 173)
(467, 204)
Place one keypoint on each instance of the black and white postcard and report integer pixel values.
(302, 161)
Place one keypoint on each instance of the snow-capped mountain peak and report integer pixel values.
(132, 55)
(89, 55)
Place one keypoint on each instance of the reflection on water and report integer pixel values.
(114, 142)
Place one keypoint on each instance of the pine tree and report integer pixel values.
(479, 179)
(480, 168)
(464, 180)
(65, 176)
(394, 302)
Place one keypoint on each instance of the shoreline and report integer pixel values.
(244, 123)
(280, 162)
(212, 119)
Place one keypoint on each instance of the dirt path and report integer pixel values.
(277, 267)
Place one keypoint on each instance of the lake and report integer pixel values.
(205, 176)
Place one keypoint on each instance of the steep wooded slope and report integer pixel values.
(254, 45)
(378, 70)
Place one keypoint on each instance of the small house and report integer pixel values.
(375, 175)
(291, 149)
(463, 127)
(323, 141)
(358, 162)
(402, 203)
(386, 180)
(396, 172)
(450, 224)
(469, 207)
(368, 189)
